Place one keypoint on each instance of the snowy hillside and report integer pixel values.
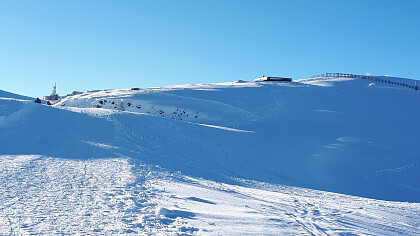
(231, 158)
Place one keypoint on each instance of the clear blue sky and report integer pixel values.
(101, 44)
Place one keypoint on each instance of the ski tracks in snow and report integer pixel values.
(284, 210)
(41, 195)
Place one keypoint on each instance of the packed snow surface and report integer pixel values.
(318, 156)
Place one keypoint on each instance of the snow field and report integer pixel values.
(118, 196)
(88, 166)
(279, 210)
(41, 195)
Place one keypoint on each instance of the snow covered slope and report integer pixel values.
(349, 137)
(214, 158)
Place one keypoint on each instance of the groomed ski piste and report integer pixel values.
(328, 155)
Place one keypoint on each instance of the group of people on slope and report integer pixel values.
(37, 100)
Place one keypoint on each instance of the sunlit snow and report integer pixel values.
(320, 156)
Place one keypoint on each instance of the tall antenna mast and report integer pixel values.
(54, 92)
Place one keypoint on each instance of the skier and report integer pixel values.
(49, 103)
(37, 100)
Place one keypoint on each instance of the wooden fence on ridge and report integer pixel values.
(370, 77)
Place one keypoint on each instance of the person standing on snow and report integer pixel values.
(37, 100)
